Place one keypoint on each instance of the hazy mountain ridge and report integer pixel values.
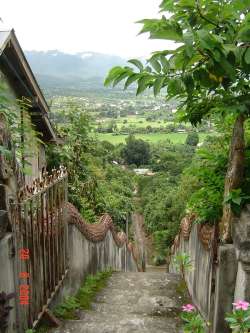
(82, 65)
(57, 71)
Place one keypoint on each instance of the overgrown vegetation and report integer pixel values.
(97, 184)
(209, 74)
(84, 296)
(25, 139)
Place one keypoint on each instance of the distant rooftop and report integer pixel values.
(144, 172)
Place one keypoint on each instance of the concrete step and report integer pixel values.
(133, 302)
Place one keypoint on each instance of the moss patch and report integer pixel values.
(84, 296)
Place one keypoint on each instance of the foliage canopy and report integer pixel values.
(209, 69)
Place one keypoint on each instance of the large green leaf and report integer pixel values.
(120, 78)
(240, 5)
(158, 85)
(186, 4)
(113, 74)
(244, 34)
(189, 83)
(175, 87)
(131, 80)
(229, 69)
(142, 84)
(247, 56)
(188, 40)
(207, 40)
(162, 29)
(137, 63)
(155, 64)
(167, 5)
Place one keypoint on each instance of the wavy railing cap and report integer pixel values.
(95, 232)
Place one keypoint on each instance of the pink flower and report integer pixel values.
(188, 308)
(241, 305)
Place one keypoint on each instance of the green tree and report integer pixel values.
(208, 72)
(95, 184)
(192, 139)
(136, 151)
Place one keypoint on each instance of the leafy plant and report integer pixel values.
(208, 168)
(84, 296)
(183, 263)
(96, 185)
(192, 139)
(66, 310)
(194, 323)
(17, 120)
(239, 319)
(208, 72)
(236, 199)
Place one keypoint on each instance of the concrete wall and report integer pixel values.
(216, 280)
(199, 279)
(86, 257)
(7, 283)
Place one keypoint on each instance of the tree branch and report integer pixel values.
(204, 17)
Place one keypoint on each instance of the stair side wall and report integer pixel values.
(199, 278)
(87, 257)
(214, 279)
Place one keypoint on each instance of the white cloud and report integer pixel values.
(106, 26)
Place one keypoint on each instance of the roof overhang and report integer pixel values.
(15, 65)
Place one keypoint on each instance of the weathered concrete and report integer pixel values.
(86, 257)
(225, 284)
(199, 279)
(241, 238)
(137, 229)
(133, 302)
(217, 279)
(7, 283)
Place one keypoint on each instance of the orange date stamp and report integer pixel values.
(24, 288)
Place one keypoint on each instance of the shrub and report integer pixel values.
(192, 139)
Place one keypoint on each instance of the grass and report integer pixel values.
(134, 121)
(84, 296)
(152, 137)
(40, 329)
(140, 122)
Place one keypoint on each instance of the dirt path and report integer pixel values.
(132, 302)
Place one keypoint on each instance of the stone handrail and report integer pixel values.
(97, 232)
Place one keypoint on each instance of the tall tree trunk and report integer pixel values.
(234, 176)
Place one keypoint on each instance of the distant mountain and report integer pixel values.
(82, 65)
(58, 70)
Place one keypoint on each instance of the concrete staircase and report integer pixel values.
(133, 302)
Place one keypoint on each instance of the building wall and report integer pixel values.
(37, 163)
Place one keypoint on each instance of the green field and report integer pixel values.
(152, 137)
(137, 121)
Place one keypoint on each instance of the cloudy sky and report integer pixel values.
(106, 26)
